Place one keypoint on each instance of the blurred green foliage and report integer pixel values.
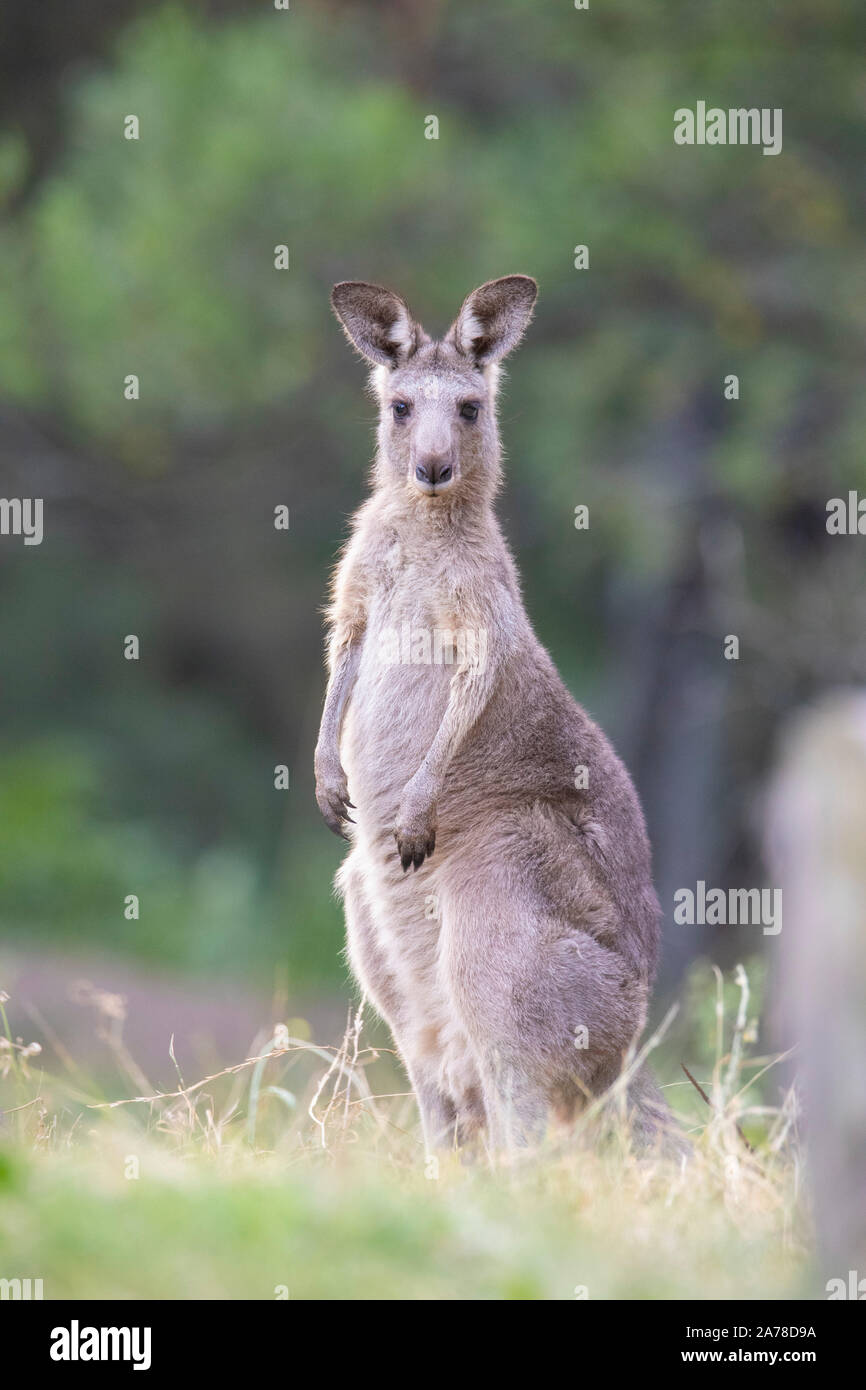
(159, 253)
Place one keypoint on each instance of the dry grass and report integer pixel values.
(298, 1170)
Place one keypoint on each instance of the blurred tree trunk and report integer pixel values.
(817, 848)
(676, 736)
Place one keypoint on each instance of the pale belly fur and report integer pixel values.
(393, 715)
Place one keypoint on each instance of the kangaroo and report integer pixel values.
(513, 963)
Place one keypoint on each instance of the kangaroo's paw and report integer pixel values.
(332, 795)
(415, 831)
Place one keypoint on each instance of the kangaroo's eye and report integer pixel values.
(400, 409)
(469, 410)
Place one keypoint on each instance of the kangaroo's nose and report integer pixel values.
(436, 470)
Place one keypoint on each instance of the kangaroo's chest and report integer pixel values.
(413, 616)
(410, 650)
(412, 585)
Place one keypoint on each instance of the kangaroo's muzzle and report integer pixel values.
(434, 473)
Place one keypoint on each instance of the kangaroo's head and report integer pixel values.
(437, 421)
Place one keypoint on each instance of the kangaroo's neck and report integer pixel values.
(459, 518)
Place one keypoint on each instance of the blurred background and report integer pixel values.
(306, 128)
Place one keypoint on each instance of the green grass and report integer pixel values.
(353, 1229)
(290, 1173)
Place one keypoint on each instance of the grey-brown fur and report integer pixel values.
(492, 907)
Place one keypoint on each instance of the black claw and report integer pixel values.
(332, 816)
(338, 811)
(405, 859)
(418, 858)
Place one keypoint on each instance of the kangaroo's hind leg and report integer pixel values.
(650, 1121)
(420, 1040)
(548, 1008)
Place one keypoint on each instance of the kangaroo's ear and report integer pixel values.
(494, 318)
(376, 321)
